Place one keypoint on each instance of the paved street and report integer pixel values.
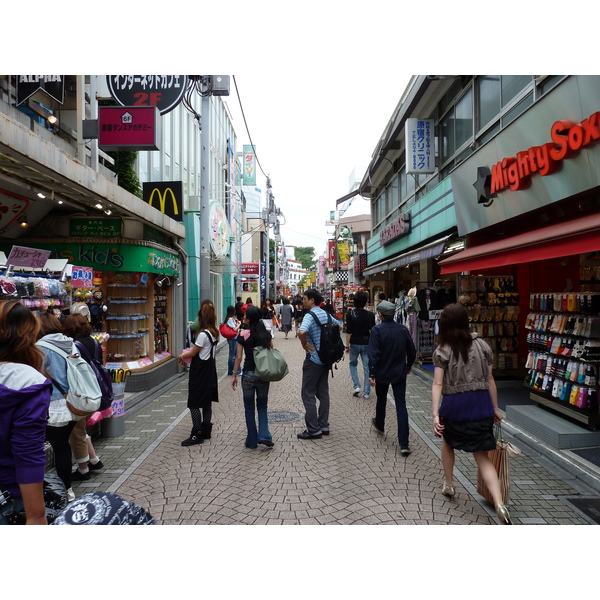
(353, 476)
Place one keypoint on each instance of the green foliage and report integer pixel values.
(305, 254)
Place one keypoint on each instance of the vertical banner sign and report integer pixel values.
(263, 280)
(331, 254)
(420, 146)
(321, 269)
(249, 165)
(344, 253)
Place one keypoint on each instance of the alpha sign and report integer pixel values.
(166, 196)
(514, 172)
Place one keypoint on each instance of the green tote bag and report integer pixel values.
(270, 364)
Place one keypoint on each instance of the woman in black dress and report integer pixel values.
(203, 383)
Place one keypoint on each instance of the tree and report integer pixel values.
(305, 254)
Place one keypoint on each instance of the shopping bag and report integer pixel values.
(270, 364)
(499, 457)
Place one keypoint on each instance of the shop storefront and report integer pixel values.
(530, 208)
(128, 292)
(402, 265)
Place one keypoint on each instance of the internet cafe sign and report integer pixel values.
(163, 91)
(399, 228)
(514, 172)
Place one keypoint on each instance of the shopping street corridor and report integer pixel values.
(353, 476)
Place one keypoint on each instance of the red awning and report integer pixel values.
(562, 239)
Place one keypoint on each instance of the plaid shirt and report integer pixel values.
(313, 331)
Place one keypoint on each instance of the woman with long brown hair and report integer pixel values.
(24, 402)
(203, 382)
(464, 383)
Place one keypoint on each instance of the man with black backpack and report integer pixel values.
(319, 335)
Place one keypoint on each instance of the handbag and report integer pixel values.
(270, 364)
(227, 332)
(499, 457)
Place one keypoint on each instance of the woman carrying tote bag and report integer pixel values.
(253, 388)
(464, 383)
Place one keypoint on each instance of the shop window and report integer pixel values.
(512, 86)
(488, 88)
(512, 114)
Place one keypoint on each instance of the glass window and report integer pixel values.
(512, 85)
(392, 195)
(464, 119)
(514, 112)
(489, 98)
(448, 136)
(402, 190)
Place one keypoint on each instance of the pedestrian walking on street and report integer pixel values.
(255, 392)
(391, 357)
(298, 312)
(234, 323)
(286, 312)
(268, 316)
(24, 402)
(464, 384)
(203, 383)
(239, 315)
(359, 323)
(315, 383)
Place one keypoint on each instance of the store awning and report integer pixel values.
(554, 241)
(429, 251)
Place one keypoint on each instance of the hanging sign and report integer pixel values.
(166, 196)
(128, 127)
(52, 85)
(82, 277)
(249, 165)
(28, 257)
(163, 91)
(420, 146)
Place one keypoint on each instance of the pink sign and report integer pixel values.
(128, 127)
(82, 277)
(27, 257)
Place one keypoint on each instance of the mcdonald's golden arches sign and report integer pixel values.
(165, 196)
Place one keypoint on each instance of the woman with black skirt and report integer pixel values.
(464, 384)
(203, 382)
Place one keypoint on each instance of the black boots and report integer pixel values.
(195, 438)
(205, 430)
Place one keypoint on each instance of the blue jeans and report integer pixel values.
(252, 387)
(355, 352)
(232, 352)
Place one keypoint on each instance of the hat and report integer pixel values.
(387, 309)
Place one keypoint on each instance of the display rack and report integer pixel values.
(564, 354)
(492, 304)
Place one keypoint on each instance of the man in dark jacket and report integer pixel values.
(391, 356)
(359, 323)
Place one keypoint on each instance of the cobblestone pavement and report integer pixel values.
(353, 476)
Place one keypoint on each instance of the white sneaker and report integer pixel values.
(70, 495)
(366, 396)
(356, 392)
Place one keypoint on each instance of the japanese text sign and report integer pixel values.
(82, 277)
(420, 146)
(128, 127)
(27, 257)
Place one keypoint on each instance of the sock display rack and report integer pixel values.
(492, 306)
(563, 362)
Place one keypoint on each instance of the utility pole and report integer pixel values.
(205, 201)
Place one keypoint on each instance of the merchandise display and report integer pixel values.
(564, 353)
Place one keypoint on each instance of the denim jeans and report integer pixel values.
(399, 390)
(252, 387)
(362, 351)
(232, 352)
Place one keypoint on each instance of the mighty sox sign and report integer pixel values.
(400, 227)
(514, 172)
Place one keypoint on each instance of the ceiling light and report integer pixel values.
(60, 201)
(98, 205)
(52, 119)
(40, 195)
(108, 212)
(23, 222)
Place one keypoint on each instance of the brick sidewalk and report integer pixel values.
(353, 476)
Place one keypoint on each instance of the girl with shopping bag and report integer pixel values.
(464, 401)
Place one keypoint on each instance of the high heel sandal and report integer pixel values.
(448, 490)
(503, 515)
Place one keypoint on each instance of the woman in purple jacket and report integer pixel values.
(24, 402)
